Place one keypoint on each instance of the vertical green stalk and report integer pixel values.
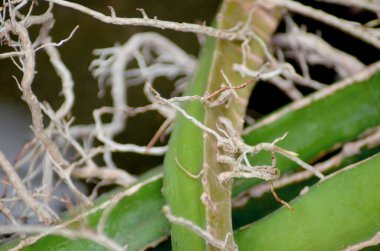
(182, 192)
(205, 202)
(217, 196)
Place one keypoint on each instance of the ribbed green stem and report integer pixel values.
(217, 196)
(182, 192)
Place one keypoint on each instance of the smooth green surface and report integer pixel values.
(338, 212)
(136, 220)
(257, 208)
(316, 128)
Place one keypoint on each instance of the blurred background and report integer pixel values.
(77, 55)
